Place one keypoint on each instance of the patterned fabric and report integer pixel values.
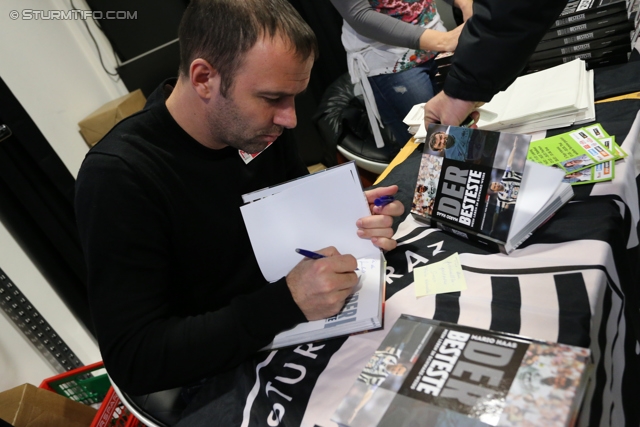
(417, 12)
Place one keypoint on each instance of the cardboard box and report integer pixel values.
(30, 406)
(97, 124)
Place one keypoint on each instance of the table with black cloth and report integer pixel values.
(574, 281)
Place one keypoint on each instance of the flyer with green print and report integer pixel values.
(572, 151)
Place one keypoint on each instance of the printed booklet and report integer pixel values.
(478, 185)
(311, 213)
(586, 155)
(437, 374)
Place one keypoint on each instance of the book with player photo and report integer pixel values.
(478, 185)
(434, 374)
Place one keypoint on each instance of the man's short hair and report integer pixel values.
(450, 140)
(222, 31)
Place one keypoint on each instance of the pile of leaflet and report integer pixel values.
(553, 98)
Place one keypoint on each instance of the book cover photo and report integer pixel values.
(470, 178)
(437, 374)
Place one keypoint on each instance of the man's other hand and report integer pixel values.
(377, 226)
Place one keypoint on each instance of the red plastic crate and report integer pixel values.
(90, 385)
(86, 384)
(112, 413)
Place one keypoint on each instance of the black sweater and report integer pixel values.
(174, 288)
(496, 44)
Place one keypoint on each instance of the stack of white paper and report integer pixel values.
(556, 97)
(553, 98)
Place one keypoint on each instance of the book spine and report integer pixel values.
(589, 57)
(609, 60)
(480, 239)
(587, 26)
(607, 42)
(578, 17)
(624, 27)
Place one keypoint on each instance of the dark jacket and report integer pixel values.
(496, 43)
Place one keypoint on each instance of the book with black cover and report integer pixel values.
(615, 40)
(430, 373)
(478, 185)
(621, 28)
(595, 24)
(590, 57)
(584, 10)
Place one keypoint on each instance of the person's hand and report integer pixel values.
(377, 227)
(440, 41)
(449, 111)
(466, 6)
(321, 286)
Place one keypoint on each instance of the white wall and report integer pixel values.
(52, 67)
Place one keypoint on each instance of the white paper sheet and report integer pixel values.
(320, 210)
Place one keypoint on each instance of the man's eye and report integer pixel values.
(272, 100)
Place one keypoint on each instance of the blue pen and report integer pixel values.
(316, 255)
(383, 200)
(309, 254)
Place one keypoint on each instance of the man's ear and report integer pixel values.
(204, 79)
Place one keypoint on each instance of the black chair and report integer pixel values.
(342, 121)
(160, 409)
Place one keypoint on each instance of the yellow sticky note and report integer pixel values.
(439, 278)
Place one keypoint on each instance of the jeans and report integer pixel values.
(397, 93)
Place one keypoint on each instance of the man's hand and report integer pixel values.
(320, 287)
(449, 111)
(377, 227)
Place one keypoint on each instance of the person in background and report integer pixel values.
(390, 48)
(175, 291)
(492, 51)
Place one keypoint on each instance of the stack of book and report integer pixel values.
(597, 31)
(601, 32)
(432, 373)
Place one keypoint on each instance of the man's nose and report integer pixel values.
(286, 114)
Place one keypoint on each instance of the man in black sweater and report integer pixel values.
(175, 290)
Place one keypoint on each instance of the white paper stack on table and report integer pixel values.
(311, 213)
(556, 97)
(553, 98)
